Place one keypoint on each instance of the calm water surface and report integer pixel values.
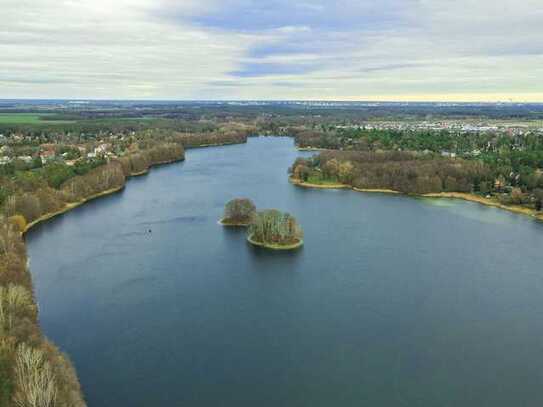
(393, 301)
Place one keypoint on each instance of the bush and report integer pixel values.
(19, 221)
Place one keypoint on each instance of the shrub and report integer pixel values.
(19, 222)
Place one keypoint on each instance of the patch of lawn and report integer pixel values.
(28, 118)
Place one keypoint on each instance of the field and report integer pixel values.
(28, 118)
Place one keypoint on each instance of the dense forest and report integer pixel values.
(515, 161)
(410, 172)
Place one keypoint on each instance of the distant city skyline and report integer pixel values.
(348, 50)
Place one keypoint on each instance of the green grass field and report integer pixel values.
(317, 180)
(28, 118)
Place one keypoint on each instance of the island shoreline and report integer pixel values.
(277, 247)
(233, 224)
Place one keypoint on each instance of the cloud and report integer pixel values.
(322, 15)
(278, 49)
(249, 70)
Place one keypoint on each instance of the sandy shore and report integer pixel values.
(233, 224)
(320, 186)
(69, 207)
(311, 149)
(486, 201)
(449, 195)
(294, 246)
(72, 205)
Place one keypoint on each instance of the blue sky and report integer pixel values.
(277, 49)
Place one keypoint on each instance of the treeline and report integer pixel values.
(48, 188)
(33, 372)
(91, 123)
(191, 140)
(35, 195)
(306, 138)
(142, 160)
(400, 171)
(517, 160)
(32, 204)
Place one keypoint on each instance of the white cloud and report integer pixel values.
(352, 49)
(107, 49)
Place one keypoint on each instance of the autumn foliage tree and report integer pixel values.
(401, 171)
(240, 211)
(275, 228)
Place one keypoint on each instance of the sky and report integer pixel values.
(385, 50)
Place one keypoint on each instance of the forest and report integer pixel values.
(411, 173)
(516, 161)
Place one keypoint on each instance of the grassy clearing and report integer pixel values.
(28, 118)
(321, 181)
(318, 184)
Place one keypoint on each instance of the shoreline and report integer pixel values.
(303, 184)
(72, 205)
(78, 393)
(233, 224)
(487, 202)
(212, 145)
(269, 246)
(448, 195)
(311, 149)
(69, 207)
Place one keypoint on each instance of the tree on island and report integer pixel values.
(240, 211)
(274, 229)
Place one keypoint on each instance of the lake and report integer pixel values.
(393, 301)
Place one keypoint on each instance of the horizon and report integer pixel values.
(268, 101)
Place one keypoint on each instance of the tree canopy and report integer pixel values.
(274, 228)
(239, 211)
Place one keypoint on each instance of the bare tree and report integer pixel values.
(35, 382)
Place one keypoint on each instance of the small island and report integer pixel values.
(239, 212)
(272, 229)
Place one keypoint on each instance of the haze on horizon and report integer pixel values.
(419, 50)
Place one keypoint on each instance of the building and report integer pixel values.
(47, 155)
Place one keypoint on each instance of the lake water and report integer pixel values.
(393, 301)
